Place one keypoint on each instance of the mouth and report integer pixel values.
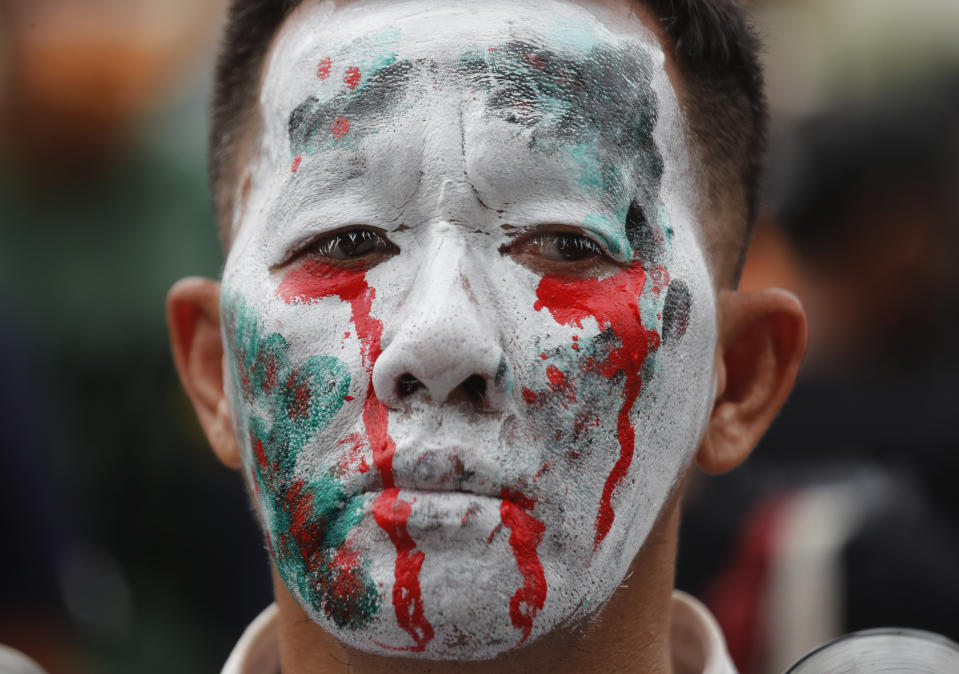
(453, 514)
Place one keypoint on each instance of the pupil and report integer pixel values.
(572, 248)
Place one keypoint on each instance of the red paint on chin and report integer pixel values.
(391, 513)
(614, 303)
(526, 533)
(313, 281)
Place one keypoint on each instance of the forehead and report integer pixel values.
(437, 28)
(555, 70)
(589, 56)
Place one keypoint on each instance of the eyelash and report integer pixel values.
(348, 242)
(580, 243)
(561, 251)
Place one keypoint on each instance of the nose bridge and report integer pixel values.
(441, 339)
(441, 281)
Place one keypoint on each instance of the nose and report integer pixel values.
(441, 347)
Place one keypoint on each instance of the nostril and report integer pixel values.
(475, 387)
(407, 384)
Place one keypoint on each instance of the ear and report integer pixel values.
(762, 338)
(193, 317)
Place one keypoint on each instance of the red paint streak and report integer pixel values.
(555, 376)
(352, 77)
(311, 282)
(354, 459)
(260, 454)
(300, 405)
(341, 126)
(323, 69)
(270, 371)
(303, 525)
(543, 356)
(349, 398)
(529, 396)
(297, 160)
(613, 302)
(391, 513)
(526, 533)
(344, 581)
(347, 581)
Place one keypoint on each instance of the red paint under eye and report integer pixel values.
(613, 303)
(311, 282)
(297, 160)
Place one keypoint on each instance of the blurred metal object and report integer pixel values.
(15, 662)
(905, 651)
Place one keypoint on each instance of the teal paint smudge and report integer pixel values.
(308, 522)
(597, 106)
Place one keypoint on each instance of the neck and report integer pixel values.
(631, 633)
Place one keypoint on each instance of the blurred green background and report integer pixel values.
(128, 548)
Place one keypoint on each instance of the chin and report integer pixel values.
(474, 598)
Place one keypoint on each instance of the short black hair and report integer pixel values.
(721, 93)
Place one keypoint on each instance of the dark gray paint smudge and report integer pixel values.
(311, 122)
(676, 312)
(605, 96)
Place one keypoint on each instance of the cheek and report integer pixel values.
(283, 405)
(588, 387)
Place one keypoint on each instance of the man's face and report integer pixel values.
(469, 325)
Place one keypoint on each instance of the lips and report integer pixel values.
(444, 470)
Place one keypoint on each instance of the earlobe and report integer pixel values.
(762, 338)
(193, 318)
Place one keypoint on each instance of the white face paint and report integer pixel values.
(470, 325)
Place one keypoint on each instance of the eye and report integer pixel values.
(564, 246)
(365, 247)
(563, 252)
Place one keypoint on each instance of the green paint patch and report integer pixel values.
(307, 523)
